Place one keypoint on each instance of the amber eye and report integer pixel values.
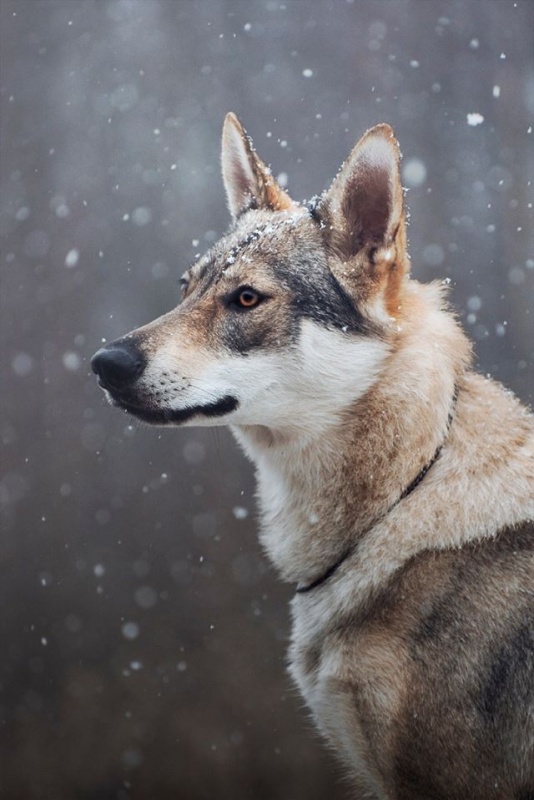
(247, 298)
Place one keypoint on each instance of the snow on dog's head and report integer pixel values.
(293, 301)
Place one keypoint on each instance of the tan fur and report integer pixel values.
(251, 181)
(415, 650)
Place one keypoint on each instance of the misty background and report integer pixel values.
(142, 632)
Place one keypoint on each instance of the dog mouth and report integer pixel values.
(176, 416)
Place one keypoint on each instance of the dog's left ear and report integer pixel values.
(247, 180)
(362, 212)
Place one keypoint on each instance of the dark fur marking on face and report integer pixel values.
(314, 293)
(317, 295)
(241, 333)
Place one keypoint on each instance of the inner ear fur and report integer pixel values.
(247, 180)
(363, 208)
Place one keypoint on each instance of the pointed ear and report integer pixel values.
(248, 182)
(364, 205)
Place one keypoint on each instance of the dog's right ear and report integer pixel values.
(365, 201)
(362, 216)
(247, 180)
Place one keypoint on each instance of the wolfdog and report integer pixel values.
(396, 486)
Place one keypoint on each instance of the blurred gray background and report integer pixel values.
(143, 634)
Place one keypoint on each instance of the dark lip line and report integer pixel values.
(219, 408)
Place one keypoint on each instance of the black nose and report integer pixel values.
(118, 364)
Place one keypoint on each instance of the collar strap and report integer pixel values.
(307, 587)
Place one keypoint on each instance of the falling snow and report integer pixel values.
(130, 630)
(139, 599)
(72, 258)
(414, 172)
(475, 119)
(22, 364)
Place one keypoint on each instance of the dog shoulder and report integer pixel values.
(447, 646)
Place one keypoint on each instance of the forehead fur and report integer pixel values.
(266, 236)
(284, 254)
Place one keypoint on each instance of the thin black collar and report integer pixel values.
(307, 587)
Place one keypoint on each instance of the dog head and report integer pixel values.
(289, 318)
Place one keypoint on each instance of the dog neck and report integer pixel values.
(319, 495)
(333, 568)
